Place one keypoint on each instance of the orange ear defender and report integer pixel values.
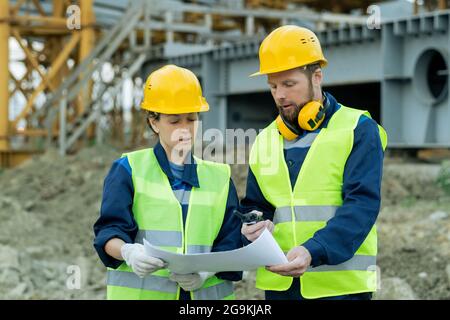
(310, 118)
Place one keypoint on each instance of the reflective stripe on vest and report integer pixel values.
(182, 196)
(158, 214)
(216, 292)
(304, 213)
(160, 238)
(304, 209)
(149, 282)
(168, 239)
(322, 213)
(164, 284)
(304, 142)
(358, 262)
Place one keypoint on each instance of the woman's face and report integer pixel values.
(176, 131)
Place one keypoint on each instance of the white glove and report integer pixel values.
(191, 281)
(141, 263)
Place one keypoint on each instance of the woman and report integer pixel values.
(170, 198)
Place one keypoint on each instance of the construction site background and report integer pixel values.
(51, 202)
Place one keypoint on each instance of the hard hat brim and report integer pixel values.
(203, 108)
(256, 74)
(323, 64)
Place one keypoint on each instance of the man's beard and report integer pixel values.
(292, 114)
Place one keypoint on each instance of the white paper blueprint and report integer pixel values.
(264, 251)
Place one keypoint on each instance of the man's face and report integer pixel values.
(291, 91)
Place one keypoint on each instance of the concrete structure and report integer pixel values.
(390, 61)
(398, 72)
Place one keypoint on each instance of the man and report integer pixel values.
(315, 175)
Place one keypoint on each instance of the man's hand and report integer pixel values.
(141, 263)
(299, 260)
(191, 281)
(253, 231)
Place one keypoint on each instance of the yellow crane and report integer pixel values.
(63, 49)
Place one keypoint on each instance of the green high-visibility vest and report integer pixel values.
(317, 193)
(158, 215)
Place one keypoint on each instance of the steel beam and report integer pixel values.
(87, 43)
(4, 75)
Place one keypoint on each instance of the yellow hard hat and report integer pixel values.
(173, 90)
(289, 47)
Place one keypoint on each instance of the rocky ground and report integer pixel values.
(49, 204)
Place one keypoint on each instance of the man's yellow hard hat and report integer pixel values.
(289, 47)
(173, 90)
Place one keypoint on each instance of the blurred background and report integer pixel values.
(72, 80)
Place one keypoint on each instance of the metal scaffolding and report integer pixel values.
(62, 100)
(63, 94)
(46, 65)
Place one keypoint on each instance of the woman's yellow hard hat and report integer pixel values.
(173, 90)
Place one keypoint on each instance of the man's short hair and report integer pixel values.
(310, 68)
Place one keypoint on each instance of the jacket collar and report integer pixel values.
(190, 166)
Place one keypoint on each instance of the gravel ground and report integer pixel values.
(49, 204)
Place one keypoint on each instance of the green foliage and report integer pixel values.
(443, 179)
(408, 202)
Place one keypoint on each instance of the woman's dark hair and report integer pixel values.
(152, 115)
